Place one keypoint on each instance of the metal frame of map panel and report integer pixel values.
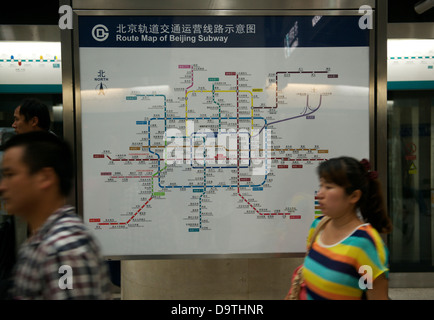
(378, 122)
(221, 4)
(72, 103)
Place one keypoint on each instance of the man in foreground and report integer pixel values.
(61, 259)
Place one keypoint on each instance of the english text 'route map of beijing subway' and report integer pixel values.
(201, 135)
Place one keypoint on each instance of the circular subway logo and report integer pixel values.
(100, 32)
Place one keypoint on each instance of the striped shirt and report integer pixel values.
(63, 240)
(331, 272)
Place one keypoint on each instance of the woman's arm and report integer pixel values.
(380, 289)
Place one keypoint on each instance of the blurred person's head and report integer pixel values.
(37, 173)
(31, 115)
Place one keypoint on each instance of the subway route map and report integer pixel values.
(213, 150)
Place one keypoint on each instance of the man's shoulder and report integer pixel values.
(67, 232)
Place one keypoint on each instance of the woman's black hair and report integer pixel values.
(352, 175)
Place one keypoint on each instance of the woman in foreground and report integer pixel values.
(348, 259)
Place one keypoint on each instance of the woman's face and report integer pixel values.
(333, 200)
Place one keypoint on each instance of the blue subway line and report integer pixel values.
(201, 118)
(204, 185)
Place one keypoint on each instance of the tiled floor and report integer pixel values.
(394, 293)
(411, 293)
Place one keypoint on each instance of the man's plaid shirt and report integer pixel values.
(62, 240)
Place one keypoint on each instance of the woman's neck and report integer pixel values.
(339, 228)
(346, 221)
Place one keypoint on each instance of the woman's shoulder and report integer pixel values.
(313, 226)
(319, 222)
(367, 231)
(316, 221)
(366, 236)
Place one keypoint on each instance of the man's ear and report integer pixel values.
(34, 122)
(46, 178)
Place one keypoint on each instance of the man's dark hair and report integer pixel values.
(43, 149)
(32, 107)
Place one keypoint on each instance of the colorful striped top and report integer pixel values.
(331, 272)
